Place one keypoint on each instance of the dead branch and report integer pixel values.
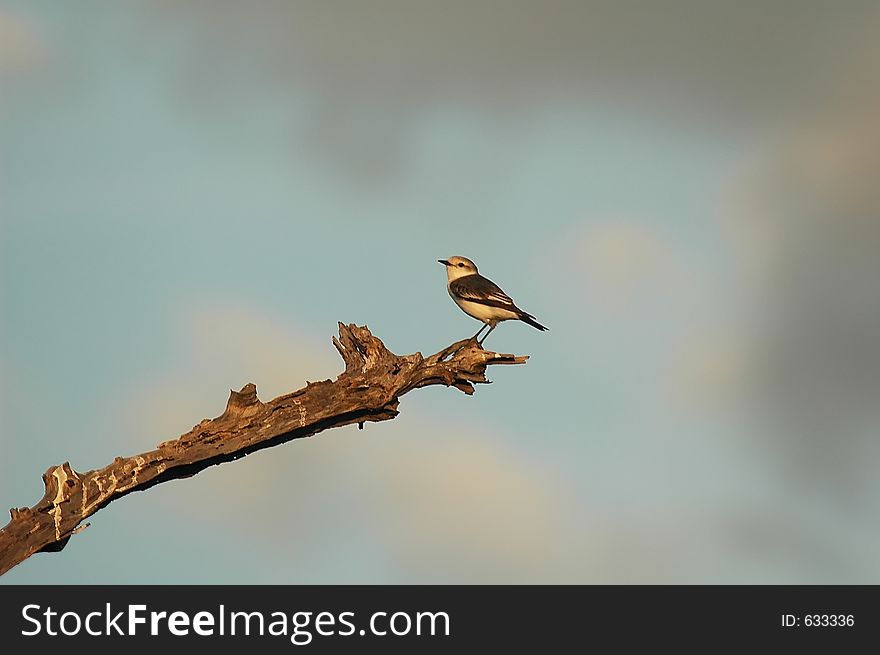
(368, 390)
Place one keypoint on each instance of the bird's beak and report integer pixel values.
(444, 262)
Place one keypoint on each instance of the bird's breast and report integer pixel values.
(483, 312)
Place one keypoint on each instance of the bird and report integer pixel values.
(481, 298)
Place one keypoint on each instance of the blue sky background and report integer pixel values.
(193, 194)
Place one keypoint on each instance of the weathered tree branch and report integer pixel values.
(368, 390)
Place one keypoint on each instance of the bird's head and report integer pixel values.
(457, 267)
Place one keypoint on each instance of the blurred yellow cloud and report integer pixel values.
(624, 252)
(226, 346)
(666, 322)
(465, 492)
(20, 45)
(706, 370)
(622, 265)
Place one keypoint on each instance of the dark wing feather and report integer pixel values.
(478, 289)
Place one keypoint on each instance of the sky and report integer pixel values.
(193, 194)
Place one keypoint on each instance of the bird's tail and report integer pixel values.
(528, 318)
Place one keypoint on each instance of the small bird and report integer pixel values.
(481, 298)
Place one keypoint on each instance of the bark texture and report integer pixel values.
(367, 390)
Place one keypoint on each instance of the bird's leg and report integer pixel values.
(475, 337)
(480, 343)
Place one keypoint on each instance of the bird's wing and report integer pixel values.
(476, 288)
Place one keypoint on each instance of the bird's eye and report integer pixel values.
(460, 265)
